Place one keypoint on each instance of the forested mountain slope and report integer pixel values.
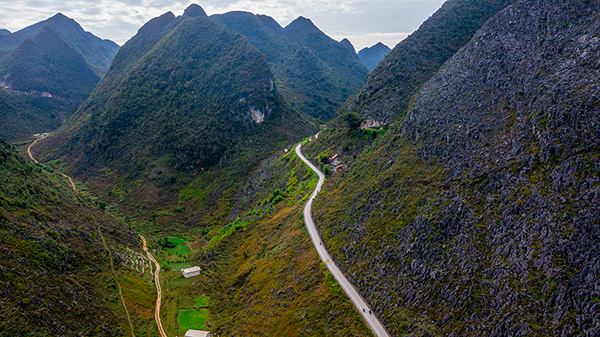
(183, 95)
(390, 86)
(48, 69)
(315, 73)
(478, 214)
(45, 63)
(55, 272)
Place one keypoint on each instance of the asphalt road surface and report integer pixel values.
(358, 301)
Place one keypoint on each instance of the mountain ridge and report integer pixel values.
(371, 56)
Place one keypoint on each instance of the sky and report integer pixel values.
(363, 22)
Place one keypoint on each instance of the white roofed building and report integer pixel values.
(191, 272)
(197, 333)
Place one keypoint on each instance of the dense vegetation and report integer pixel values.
(45, 63)
(197, 94)
(389, 87)
(314, 73)
(55, 272)
(477, 214)
(258, 265)
(22, 115)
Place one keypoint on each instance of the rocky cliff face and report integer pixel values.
(503, 239)
(386, 94)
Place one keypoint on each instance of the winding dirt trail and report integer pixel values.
(31, 156)
(158, 290)
(112, 267)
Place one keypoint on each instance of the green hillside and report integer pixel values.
(386, 95)
(22, 116)
(315, 73)
(54, 57)
(45, 63)
(55, 271)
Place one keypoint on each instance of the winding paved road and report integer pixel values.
(158, 290)
(372, 321)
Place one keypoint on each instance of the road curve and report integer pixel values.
(158, 290)
(372, 321)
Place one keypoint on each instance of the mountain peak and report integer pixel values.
(59, 17)
(301, 23)
(194, 11)
(4, 32)
(348, 45)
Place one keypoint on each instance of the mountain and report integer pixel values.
(4, 32)
(98, 53)
(47, 69)
(56, 276)
(45, 63)
(183, 94)
(346, 43)
(417, 58)
(477, 214)
(313, 72)
(22, 115)
(371, 56)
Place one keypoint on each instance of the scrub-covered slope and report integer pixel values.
(55, 272)
(478, 214)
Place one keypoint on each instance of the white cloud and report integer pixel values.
(118, 20)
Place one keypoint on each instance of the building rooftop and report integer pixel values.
(197, 333)
(191, 270)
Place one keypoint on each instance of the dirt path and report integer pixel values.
(112, 267)
(158, 290)
(31, 156)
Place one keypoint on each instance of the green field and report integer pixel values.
(201, 302)
(192, 319)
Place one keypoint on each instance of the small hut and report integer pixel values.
(190, 272)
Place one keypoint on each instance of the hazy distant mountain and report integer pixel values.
(4, 32)
(313, 72)
(97, 52)
(371, 56)
(45, 63)
(55, 58)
